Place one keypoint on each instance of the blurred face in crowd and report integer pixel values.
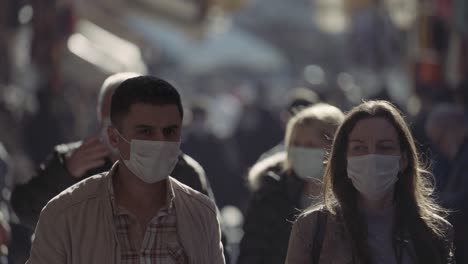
(448, 142)
(147, 122)
(447, 128)
(306, 151)
(307, 136)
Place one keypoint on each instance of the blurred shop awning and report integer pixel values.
(104, 50)
(188, 16)
(226, 46)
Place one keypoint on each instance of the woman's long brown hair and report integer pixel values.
(417, 214)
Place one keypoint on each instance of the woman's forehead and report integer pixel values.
(373, 129)
(309, 135)
(306, 130)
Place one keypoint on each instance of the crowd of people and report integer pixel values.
(227, 169)
(340, 187)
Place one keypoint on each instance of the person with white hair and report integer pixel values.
(286, 182)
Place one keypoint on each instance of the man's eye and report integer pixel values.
(146, 131)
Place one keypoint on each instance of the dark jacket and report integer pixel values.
(273, 208)
(53, 177)
(455, 197)
(455, 193)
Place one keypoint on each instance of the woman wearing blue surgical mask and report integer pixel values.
(377, 206)
(287, 182)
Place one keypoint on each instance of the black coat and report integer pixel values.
(454, 197)
(273, 208)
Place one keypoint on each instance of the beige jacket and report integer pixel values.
(76, 227)
(336, 247)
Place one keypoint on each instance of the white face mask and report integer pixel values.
(152, 161)
(307, 162)
(373, 175)
(104, 137)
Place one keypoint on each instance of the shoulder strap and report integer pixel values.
(319, 234)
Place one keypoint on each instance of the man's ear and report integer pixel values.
(113, 136)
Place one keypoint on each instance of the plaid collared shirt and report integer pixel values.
(158, 245)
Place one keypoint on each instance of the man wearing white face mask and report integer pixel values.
(136, 212)
(73, 162)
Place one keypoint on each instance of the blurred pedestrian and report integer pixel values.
(53, 22)
(298, 98)
(15, 239)
(5, 213)
(377, 206)
(447, 128)
(5, 61)
(73, 162)
(286, 182)
(428, 96)
(135, 212)
(258, 122)
(461, 95)
(5, 237)
(213, 153)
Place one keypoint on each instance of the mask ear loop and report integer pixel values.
(120, 135)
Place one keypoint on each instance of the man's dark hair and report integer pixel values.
(143, 89)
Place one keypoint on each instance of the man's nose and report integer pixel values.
(371, 150)
(158, 136)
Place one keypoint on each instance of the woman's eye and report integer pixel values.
(169, 132)
(387, 148)
(358, 148)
